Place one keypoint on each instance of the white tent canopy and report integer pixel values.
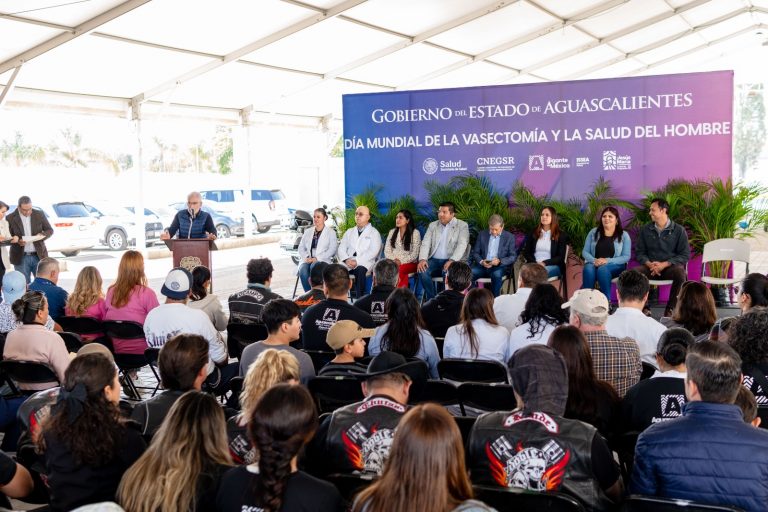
(296, 58)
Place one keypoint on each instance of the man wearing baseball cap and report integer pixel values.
(616, 360)
(357, 437)
(175, 317)
(345, 338)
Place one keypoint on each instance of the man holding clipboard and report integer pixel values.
(29, 228)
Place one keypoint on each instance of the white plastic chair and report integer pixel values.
(724, 249)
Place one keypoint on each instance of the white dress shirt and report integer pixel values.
(632, 323)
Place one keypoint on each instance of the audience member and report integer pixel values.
(281, 317)
(662, 250)
(748, 405)
(695, 310)
(245, 307)
(129, 298)
(316, 293)
(404, 331)
(590, 400)
(345, 338)
(316, 320)
(359, 248)
(403, 245)
(283, 421)
(426, 469)
(543, 312)
(14, 286)
(754, 292)
(5, 240)
(508, 307)
(534, 447)
(709, 455)
(87, 446)
(317, 245)
(479, 335)
(629, 321)
(175, 317)
(183, 366)
(661, 397)
(444, 310)
(606, 252)
(446, 241)
(616, 360)
(384, 281)
(208, 303)
(493, 253)
(28, 222)
(547, 244)
(15, 480)
(719, 331)
(182, 468)
(271, 367)
(748, 335)
(87, 299)
(33, 342)
(46, 281)
(357, 437)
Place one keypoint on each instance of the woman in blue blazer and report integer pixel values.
(606, 251)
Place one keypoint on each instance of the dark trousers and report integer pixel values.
(360, 280)
(676, 273)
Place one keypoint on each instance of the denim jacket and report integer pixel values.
(621, 247)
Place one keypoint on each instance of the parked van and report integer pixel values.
(266, 206)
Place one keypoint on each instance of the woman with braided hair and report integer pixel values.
(281, 423)
(86, 444)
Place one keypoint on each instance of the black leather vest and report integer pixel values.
(537, 452)
(360, 435)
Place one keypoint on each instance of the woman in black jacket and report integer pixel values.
(546, 245)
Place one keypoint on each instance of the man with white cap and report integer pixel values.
(345, 338)
(616, 360)
(14, 286)
(175, 317)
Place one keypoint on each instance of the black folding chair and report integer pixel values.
(27, 372)
(350, 485)
(126, 330)
(637, 503)
(330, 393)
(240, 336)
(509, 499)
(152, 355)
(472, 370)
(648, 370)
(488, 397)
(72, 340)
(437, 391)
(465, 425)
(320, 358)
(624, 446)
(81, 325)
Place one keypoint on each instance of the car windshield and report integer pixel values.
(68, 210)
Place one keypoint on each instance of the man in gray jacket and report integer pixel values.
(662, 250)
(446, 241)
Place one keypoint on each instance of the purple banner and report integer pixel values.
(557, 137)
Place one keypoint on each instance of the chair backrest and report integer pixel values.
(152, 354)
(465, 424)
(28, 372)
(236, 385)
(488, 397)
(123, 329)
(436, 391)
(509, 499)
(80, 324)
(330, 393)
(726, 249)
(648, 370)
(637, 503)
(319, 358)
(72, 340)
(240, 336)
(472, 370)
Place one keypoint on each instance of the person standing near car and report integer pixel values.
(192, 222)
(318, 244)
(28, 222)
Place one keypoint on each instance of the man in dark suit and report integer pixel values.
(493, 253)
(28, 222)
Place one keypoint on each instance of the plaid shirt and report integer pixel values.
(616, 360)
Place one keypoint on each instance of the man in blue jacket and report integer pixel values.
(710, 454)
(193, 222)
(493, 253)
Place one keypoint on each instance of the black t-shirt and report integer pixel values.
(373, 303)
(150, 413)
(318, 319)
(652, 401)
(605, 417)
(303, 493)
(342, 370)
(604, 466)
(208, 487)
(442, 312)
(604, 248)
(73, 485)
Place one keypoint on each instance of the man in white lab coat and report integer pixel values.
(360, 248)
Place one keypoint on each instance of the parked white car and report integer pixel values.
(117, 225)
(73, 227)
(267, 207)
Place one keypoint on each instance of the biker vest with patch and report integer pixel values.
(536, 452)
(360, 435)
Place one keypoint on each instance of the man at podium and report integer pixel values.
(192, 222)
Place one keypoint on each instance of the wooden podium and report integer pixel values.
(189, 253)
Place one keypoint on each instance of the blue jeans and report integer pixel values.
(28, 266)
(602, 275)
(304, 270)
(434, 269)
(495, 273)
(553, 271)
